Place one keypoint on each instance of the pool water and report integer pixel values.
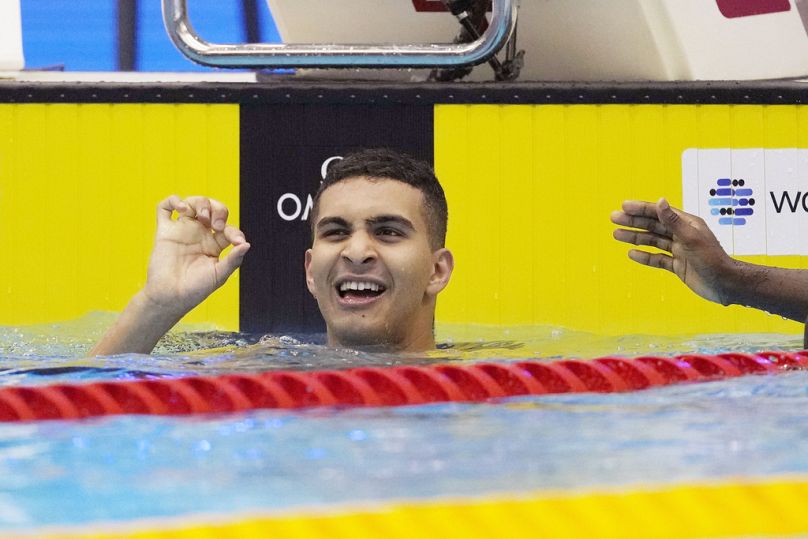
(130, 467)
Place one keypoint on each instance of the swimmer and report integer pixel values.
(692, 252)
(376, 265)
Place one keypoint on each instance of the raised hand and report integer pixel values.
(690, 249)
(184, 267)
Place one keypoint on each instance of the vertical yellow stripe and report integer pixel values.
(611, 264)
(79, 188)
(59, 193)
(516, 162)
(7, 194)
(98, 212)
(579, 186)
(548, 250)
(28, 199)
(484, 154)
(451, 135)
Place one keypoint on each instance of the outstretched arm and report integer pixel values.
(184, 269)
(692, 252)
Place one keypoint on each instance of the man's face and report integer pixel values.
(371, 267)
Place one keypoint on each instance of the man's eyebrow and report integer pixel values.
(390, 219)
(336, 221)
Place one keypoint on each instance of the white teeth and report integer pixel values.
(359, 285)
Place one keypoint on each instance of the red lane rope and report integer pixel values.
(382, 386)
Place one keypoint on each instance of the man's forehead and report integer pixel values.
(369, 198)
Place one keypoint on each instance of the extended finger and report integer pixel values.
(166, 208)
(201, 209)
(643, 238)
(640, 208)
(650, 224)
(654, 260)
(227, 265)
(218, 215)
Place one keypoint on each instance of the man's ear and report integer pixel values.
(309, 276)
(442, 266)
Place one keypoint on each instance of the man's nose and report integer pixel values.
(359, 249)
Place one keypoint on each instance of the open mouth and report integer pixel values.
(359, 291)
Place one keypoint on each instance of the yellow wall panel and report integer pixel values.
(548, 275)
(7, 166)
(79, 184)
(517, 161)
(485, 245)
(450, 143)
(530, 191)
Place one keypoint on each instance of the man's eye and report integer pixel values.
(391, 232)
(335, 233)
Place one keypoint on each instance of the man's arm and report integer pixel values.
(692, 252)
(184, 269)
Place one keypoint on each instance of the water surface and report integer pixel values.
(129, 467)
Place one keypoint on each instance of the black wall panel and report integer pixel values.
(283, 149)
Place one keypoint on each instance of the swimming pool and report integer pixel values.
(528, 159)
(183, 471)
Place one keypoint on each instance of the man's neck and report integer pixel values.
(415, 342)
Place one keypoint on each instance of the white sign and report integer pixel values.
(755, 200)
(11, 58)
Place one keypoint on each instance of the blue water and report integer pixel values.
(124, 468)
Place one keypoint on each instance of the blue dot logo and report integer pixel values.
(731, 201)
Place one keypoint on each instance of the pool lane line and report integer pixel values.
(744, 508)
(379, 386)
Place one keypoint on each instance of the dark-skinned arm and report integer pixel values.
(692, 252)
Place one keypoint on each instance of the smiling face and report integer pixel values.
(371, 267)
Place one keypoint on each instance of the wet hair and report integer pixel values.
(383, 163)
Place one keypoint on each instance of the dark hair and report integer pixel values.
(383, 163)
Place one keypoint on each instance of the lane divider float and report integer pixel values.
(378, 386)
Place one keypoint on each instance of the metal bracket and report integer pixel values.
(277, 55)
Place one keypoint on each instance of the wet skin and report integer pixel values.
(371, 267)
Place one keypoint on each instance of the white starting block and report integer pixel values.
(11, 58)
(587, 39)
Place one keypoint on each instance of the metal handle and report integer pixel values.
(278, 55)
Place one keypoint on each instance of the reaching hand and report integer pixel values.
(692, 250)
(184, 267)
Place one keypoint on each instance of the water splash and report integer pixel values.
(57, 352)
